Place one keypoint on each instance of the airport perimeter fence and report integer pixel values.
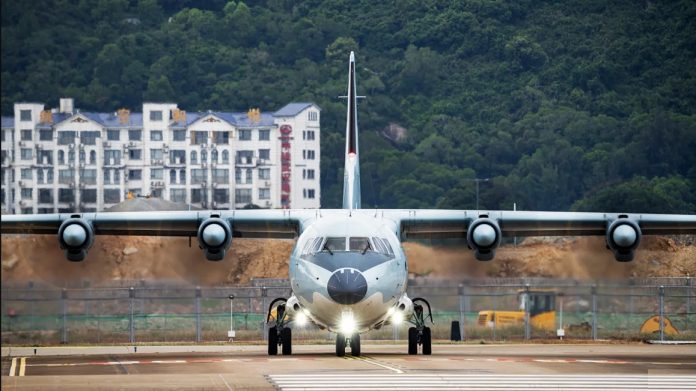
(144, 313)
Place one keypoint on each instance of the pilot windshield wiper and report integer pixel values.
(367, 247)
(327, 248)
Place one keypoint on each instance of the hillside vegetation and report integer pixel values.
(586, 105)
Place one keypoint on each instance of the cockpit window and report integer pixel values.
(334, 244)
(382, 246)
(360, 244)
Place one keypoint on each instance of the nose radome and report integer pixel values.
(347, 286)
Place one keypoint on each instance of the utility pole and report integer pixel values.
(478, 181)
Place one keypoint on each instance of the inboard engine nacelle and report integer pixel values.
(75, 236)
(214, 237)
(483, 236)
(623, 237)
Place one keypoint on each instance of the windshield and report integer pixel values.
(342, 244)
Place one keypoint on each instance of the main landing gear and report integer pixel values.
(342, 341)
(420, 334)
(279, 334)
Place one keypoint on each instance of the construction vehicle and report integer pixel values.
(652, 325)
(542, 311)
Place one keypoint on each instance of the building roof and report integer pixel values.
(292, 109)
(240, 120)
(111, 120)
(8, 122)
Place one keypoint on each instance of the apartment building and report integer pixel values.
(63, 160)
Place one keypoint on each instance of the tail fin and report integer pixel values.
(351, 176)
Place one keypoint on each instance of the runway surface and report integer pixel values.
(481, 367)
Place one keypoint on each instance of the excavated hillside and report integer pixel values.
(38, 258)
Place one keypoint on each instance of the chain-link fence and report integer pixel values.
(485, 309)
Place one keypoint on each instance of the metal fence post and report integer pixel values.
(263, 309)
(461, 311)
(527, 328)
(662, 312)
(688, 301)
(198, 314)
(131, 309)
(594, 312)
(495, 309)
(64, 328)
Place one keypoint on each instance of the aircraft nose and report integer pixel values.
(347, 286)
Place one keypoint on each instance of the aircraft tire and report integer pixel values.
(272, 341)
(412, 341)
(340, 345)
(286, 339)
(355, 345)
(427, 342)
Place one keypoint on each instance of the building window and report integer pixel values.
(156, 115)
(66, 195)
(225, 157)
(308, 135)
(221, 195)
(308, 154)
(107, 176)
(221, 175)
(156, 135)
(264, 194)
(177, 195)
(156, 173)
(112, 157)
(135, 154)
(88, 195)
(27, 194)
(199, 137)
(264, 134)
(242, 196)
(245, 157)
(45, 196)
(83, 156)
(135, 174)
(88, 176)
(135, 135)
(92, 157)
(238, 175)
(117, 176)
(66, 137)
(214, 156)
(194, 157)
(249, 175)
(308, 193)
(113, 135)
(61, 157)
(27, 211)
(26, 173)
(156, 154)
(312, 115)
(66, 176)
(179, 135)
(26, 153)
(26, 134)
(182, 176)
(265, 173)
(307, 174)
(39, 175)
(198, 175)
(265, 154)
(46, 135)
(172, 176)
(49, 175)
(25, 115)
(112, 196)
(196, 195)
(71, 156)
(221, 137)
(245, 134)
(204, 156)
(177, 156)
(89, 138)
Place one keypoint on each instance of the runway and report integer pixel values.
(456, 366)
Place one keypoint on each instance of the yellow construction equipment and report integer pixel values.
(652, 325)
(542, 311)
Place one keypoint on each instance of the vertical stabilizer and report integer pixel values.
(351, 176)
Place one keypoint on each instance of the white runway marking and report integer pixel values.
(357, 381)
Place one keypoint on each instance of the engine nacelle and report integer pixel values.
(484, 236)
(214, 237)
(623, 237)
(75, 236)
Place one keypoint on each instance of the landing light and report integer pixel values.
(301, 319)
(397, 317)
(347, 325)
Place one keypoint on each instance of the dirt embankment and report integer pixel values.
(39, 259)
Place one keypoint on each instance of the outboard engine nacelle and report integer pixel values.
(623, 237)
(75, 236)
(214, 237)
(484, 236)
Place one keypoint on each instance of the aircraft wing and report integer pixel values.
(483, 230)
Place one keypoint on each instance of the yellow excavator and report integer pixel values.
(542, 315)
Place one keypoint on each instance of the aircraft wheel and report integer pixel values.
(272, 341)
(412, 340)
(355, 344)
(427, 342)
(286, 339)
(340, 345)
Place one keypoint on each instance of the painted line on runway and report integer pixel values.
(374, 362)
(226, 383)
(22, 366)
(343, 381)
(13, 366)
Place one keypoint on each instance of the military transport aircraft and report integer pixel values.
(348, 270)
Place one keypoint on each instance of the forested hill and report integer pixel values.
(589, 105)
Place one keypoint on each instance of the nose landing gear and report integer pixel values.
(279, 334)
(342, 341)
(420, 334)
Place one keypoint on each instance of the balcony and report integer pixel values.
(246, 161)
